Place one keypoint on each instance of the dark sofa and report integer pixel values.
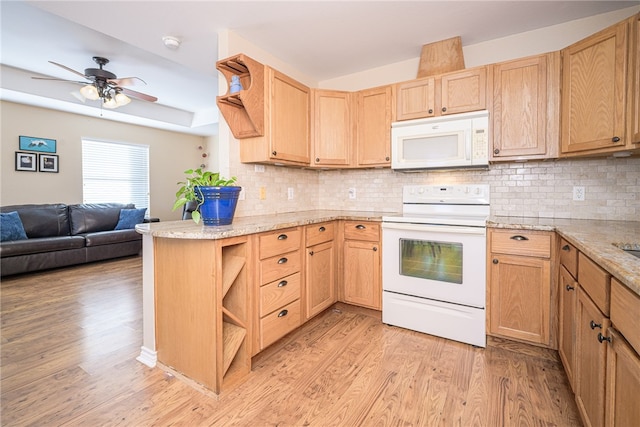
(61, 235)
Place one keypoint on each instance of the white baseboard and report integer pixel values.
(148, 357)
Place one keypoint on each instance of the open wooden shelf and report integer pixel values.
(232, 267)
(233, 336)
(244, 111)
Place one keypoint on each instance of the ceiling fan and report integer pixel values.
(105, 85)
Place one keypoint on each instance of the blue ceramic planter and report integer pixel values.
(219, 204)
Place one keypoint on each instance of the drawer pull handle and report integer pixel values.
(570, 288)
(283, 313)
(595, 325)
(566, 248)
(519, 238)
(322, 229)
(360, 227)
(615, 139)
(282, 237)
(282, 284)
(282, 260)
(602, 338)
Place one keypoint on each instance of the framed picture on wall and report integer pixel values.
(48, 163)
(26, 161)
(42, 145)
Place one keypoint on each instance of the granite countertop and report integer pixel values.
(252, 224)
(600, 240)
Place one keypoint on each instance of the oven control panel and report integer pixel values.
(471, 194)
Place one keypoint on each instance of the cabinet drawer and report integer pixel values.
(279, 293)
(279, 242)
(520, 242)
(569, 257)
(362, 230)
(279, 323)
(279, 266)
(625, 306)
(595, 281)
(319, 233)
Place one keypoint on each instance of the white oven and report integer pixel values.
(434, 262)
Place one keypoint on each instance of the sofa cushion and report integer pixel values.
(89, 218)
(129, 218)
(40, 245)
(11, 227)
(46, 220)
(110, 237)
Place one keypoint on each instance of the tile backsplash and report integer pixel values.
(529, 189)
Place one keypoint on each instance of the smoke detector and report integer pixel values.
(171, 42)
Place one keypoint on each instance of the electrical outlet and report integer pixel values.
(352, 193)
(578, 193)
(258, 168)
(263, 193)
(290, 193)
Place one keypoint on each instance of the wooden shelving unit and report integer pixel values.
(244, 111)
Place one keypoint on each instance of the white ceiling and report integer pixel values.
(322, 39)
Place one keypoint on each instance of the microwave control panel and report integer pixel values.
(480, 144)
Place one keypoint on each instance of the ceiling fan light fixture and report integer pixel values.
(171, 42)
(110, 103)
(90, 92)
(121, 99)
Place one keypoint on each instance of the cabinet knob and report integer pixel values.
(615, 139)
(566, 248)
(569, 287)
(360, 227)
(317, 159)
(321, 229)
(387, 158)
(274, 153)
(444, 109)
(519, 238)
(282, 260)
(283, 313)
(282, 237)
(311, 253)
(430, 110)
(602, 338)
(495, 261)
(283, 283)
(375, 249)
(594, 325)
(496, 151)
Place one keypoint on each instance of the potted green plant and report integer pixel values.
(216, 197)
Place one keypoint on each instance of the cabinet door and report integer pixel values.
(594, 78)
(362, 283)
(373, 142)
(320, 283)
(331, 128)
(464, 91)
(567, 323)
(520, 298)
(623, 382)
(289, 119)
(591, 360)
(634, 60)
(525, 115)
(415, 99)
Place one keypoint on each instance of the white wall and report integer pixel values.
(170, 153)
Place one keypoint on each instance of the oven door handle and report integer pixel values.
(433, 228)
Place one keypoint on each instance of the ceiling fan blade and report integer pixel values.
(68, 69)
(127, 81)
(59, 80)
(138, 95)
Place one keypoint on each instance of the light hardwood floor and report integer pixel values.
(70, 338)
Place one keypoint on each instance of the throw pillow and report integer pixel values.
(11, 227)
(129, 218)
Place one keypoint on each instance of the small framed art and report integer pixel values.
(26, 161)
(48, 163)
(42, 145)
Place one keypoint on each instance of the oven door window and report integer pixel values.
(427, 259)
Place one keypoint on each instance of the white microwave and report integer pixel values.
(455, 141)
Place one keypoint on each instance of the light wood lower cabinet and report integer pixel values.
(567, 301)
(623, 383)
(520, 292)
(362, 272)
(320, 267)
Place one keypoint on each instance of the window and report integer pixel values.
(115, 173)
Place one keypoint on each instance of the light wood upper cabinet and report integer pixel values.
(451, 93)
(287, 129)
(594, 92)
(525, 119)
(464, 91)
(331, 128)
(373, 123)
(634, 80)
